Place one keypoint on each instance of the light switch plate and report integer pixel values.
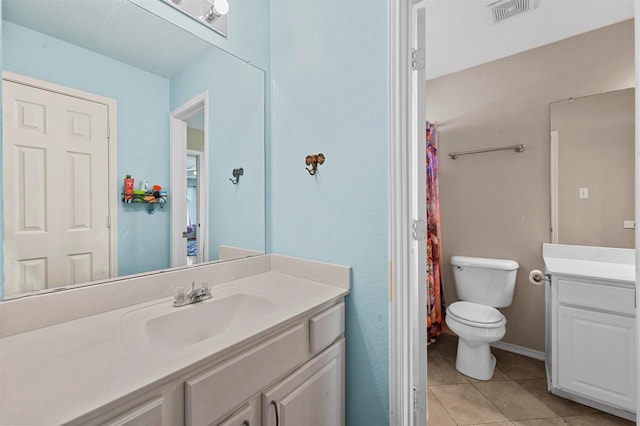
(583, 193)
(629, 224)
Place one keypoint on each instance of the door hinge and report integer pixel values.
(417, 59)
(418, 230)
(109, 222)
(415, 399)
(419, 407)
(108, 131)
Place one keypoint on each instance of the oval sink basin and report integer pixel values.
(195, 323)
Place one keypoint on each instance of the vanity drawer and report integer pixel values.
(248, 415)
(214, 393)
(596, 296)
(326, 327)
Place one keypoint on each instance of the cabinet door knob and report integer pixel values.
(246, 423)
(275, 406)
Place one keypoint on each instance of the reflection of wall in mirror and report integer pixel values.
(143, 108)
(236, 139)
(596, 152)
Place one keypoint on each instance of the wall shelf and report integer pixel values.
(150, 199)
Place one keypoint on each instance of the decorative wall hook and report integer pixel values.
(313, 161)
(236, 174)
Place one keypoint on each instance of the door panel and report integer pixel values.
(56, 179)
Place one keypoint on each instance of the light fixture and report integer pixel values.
(218, 9)
(211, 13)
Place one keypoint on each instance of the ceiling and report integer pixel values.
(461, 33)
(114, 28)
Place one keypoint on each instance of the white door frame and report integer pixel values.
(112, 140)
(407, 310)
(637, 192)
(200, 205)
(178, 174)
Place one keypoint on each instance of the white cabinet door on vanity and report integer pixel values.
(312, 395)
(596, 355)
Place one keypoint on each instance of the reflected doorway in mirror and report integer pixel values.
(189, 171)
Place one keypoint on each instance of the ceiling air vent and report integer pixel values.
(504, 9)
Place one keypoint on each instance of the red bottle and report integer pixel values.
(128, 188)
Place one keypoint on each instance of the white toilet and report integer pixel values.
(482, 285)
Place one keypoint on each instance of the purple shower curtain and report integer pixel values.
(435, 302)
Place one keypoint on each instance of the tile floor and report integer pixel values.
(516, 395)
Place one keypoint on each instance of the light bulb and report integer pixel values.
(221, 6)
(218, 8)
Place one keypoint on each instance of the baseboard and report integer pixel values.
(520, 350)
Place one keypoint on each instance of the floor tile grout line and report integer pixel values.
(526, 391)
(443, 406)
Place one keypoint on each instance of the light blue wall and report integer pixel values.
(143, 129)
(329, 95)
(236, 139)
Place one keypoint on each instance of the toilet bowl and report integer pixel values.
(483, 285)
(477, 326)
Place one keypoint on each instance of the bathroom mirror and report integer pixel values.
(592, 170)
(114, 49)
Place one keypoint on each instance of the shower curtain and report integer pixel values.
(435, 302)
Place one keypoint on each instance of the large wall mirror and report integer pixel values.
(592, 170)
(81, 76)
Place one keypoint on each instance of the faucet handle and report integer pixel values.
(206, 286)
(178, 292)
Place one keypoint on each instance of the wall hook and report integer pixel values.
(313, 161)
(236, 174)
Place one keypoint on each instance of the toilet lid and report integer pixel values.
(475, 312)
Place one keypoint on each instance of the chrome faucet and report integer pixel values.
(194, 296)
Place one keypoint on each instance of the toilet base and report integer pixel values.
(475, 361)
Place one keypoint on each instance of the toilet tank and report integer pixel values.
(486, 281)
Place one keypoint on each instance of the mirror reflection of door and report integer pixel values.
(56, 174)
(195, 150)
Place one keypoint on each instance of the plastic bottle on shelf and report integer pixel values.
(128, 188)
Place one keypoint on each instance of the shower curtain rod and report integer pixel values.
(516, 148)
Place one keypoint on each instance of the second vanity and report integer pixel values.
(590, 326)
(268, 349)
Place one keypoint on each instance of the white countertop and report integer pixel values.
(55, 374)
(602, 263)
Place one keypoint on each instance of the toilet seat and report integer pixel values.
(476, 315)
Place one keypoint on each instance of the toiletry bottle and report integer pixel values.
(128, 188)
(144, 185)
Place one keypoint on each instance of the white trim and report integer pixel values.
(637, 193)
(417, 315)
(400, 351)
(520, 350)
(112, 122)
(555, 232)
(178, 150)
(594, 404)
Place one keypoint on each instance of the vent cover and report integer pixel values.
(502, 10)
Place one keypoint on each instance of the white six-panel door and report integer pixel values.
(56, 189)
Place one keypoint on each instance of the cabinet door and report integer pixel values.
(249, 415)
(596, 355)
(146, 414)
(312, 395)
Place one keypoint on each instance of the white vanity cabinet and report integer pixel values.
(312, 394)
(591, 342)
(148, 413)
(268, 330)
